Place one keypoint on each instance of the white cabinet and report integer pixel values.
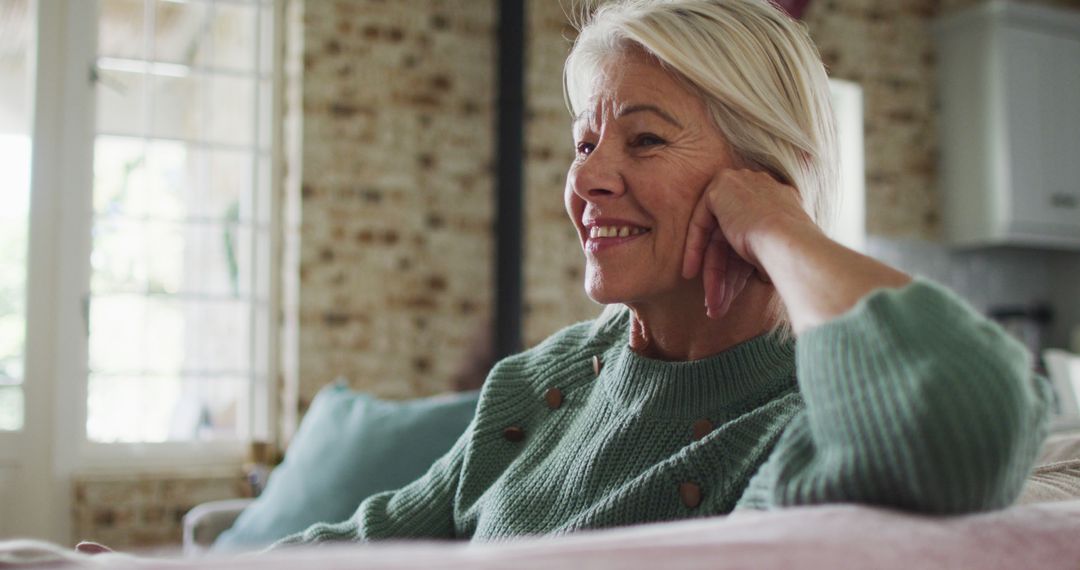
(1009, 91)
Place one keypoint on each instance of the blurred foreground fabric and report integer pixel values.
(1042, 535)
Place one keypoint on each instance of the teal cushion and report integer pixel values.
(350, 445)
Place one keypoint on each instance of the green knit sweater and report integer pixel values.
(910, 400)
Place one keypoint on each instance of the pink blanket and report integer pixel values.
(841, 536)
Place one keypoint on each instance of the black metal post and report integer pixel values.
(509, 153)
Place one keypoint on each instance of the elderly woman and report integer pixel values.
(745, 360)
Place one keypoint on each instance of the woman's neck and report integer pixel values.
(676, 328)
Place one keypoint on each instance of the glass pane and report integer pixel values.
(225, 192)
(263, 252)
(133, 256)
(264, 190)
(164, 408)
(126, 408)
(14, 227)
(231, 110)
(263, 330)
(138, 179)
(153, 258)
(16, 95)
(266, 111)
(121, 29)
(180, 28)
(178, 107)
(217, 260)
(231, 44)
(121, 102)
(136, 335)
(11, 408)
(266, 38)
(174, 241)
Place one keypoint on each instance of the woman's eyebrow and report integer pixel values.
(629, 110)
(649, 108)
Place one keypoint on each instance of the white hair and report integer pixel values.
(756, 69)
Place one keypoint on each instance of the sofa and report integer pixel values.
(1051, 498)
(1056, 478)
(1041, 531)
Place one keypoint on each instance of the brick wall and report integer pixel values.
(129, 512)
(396, 191)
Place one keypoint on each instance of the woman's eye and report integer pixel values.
(584, 148)
(648, 140)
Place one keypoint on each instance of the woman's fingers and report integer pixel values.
(713, 276)
(739, 272)
(698, 236)
(722, 289)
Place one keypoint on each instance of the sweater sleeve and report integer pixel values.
(913, 401)
(421, 509)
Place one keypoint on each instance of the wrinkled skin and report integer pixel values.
(649, 156)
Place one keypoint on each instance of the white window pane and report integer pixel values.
(178, 107)
(263, 252)
(231, 40)
(266, 110)
(231, 110)
(119, 168)
(264, 190)
(16, 95)
(180, 28)
(11, 408)
(130, 408)
(15, 89)
(225, 191)
(138, 257)
(121, 102)
(133, 178)
(174, 255)
(263, 329)
(14, 227)
(12, 327)
(135, 256)
(121, 29)
(165, 408)
(132, 334)
(169, 180)
(223, 341)
(266, 38)
(217, 260)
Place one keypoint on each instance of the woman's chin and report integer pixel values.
(604, 295)
(600, 297)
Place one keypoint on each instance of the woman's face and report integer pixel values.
(646, 148)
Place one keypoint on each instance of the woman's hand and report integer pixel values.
(748, 222)
(737, 208)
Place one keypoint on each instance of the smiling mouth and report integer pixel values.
(615, 231)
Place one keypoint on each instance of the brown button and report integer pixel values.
(702, 429)
(553, 397)
(514, 433)
(596, 364)
(690, 494)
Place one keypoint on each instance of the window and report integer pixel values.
(178, 305)
(15, 112)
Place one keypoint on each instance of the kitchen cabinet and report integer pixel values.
(1009, 93)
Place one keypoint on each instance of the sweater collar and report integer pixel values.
(742, 377)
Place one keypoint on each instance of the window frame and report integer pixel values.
(61, 244)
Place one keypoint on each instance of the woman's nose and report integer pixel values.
(598, 176)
